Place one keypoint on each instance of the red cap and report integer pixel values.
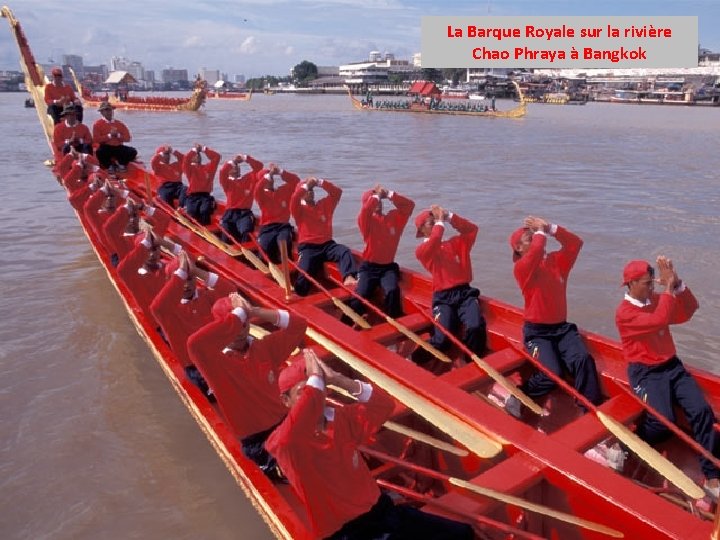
(516, 237)
(292, 375)
(221, 308)
(635, 270)
(57, 71)
(365, 196)
(420, 221)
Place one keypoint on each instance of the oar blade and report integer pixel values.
(536, 508)
(650, 456)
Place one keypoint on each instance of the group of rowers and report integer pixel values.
(276, 408)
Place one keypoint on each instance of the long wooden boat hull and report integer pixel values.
(537, 459)
(152, 103)
(515, 112)
(237, 96)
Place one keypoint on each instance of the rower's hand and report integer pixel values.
(667, 274)
(312, 364)
(331, 376)
(239, 301)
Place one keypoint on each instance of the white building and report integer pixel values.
(210, 75)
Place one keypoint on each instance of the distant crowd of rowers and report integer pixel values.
(206, 323)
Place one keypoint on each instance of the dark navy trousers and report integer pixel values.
(270, 235)
(239, 222)
(665, 385)
(200, 206)
(373, 275)
(560, 347)
(450, 308)
(171, 192)
(312, 257)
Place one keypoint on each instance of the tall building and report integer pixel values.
(174, 76)
(119, 63)
(210, 75)
(76, 63)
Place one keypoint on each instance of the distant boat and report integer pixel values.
(238, 96)
(29, 103)
(150, 103)
(426, 98)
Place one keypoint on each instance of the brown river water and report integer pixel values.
(95, 443)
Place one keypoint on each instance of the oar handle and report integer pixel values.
(557, 379)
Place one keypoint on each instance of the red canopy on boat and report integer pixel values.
(424, 88)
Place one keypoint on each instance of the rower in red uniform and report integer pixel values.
(111, 135)
(542, 278)
(71, 133)
(243, 371)
(169, 173)
(239, 188)
(381, 233)
(655, 372)
(143, 269)
(182, 307)
(315, 233)
(454, 300)
(200, 203)
(58, 95)
(121, 230)
(316, 447)
(100, 206)
(273, 199)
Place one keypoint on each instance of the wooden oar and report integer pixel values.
(249, 255)
(404, 330)
(148, 187)
(498, 495)
(285, 266)
(452, 509)
(642, 449)
(494, 374)
(347, 310)
(409, 432)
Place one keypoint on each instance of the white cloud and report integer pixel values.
(249, 45)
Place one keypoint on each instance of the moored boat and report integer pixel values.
(538, 467)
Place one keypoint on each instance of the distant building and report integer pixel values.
(328, 71)
(240, 79)
(96, 74)
(150, 75)
(119, 63)
(76, 63)
(210, 75)
(172, 75)
(137, 70)
(376, 70)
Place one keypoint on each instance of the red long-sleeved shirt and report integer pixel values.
(543, 279)
(168, 172)
(326, 469)
(54, 92)
(200, 177)
(179, 319)
(245, 383)
(114, 232)
(275, 205)
(62, 133)
(448, 261)
(645, 331)
(382, 232)
(239, 191)
(103, 132)
(143, 286)
(96, 215)
(314, 223)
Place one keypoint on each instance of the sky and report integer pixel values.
(259, 37)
